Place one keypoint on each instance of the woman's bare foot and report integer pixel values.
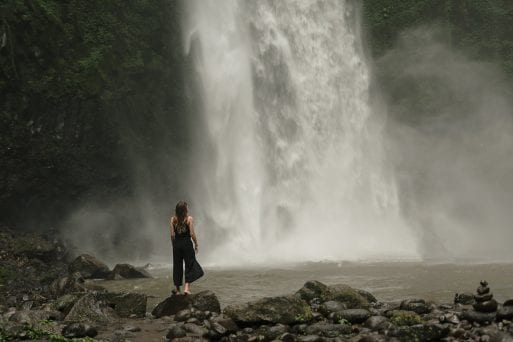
(176, 291)
(187, 289)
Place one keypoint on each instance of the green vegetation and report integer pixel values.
(405, 318)
(482, 29)
(82, 86)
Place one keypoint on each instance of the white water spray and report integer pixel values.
(294, 168)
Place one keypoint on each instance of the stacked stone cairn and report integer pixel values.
(485, 307)
(484, 299)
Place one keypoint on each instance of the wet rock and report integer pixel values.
(501, 337)
(312, 289)
(272, 332)
(89, 267)
(176, 331)
(78, 330)
(367, 295)
(416, 305)
(33, 317)
(288, 337)
(311, 338)
(328, 329)
(217, 330)
(227, 323)
(125, 304)
(204, 301)
(376, 323)
(66, 302)
(505, 312)
(331, 306)
(347, 295)
(131, 328)
(89, 309)
(282, 309)
(420, 332)
(464, 298)
(67, 284)
(127, 271)
(476, 316)
(354, 316)
(183, 315)
(195, 329)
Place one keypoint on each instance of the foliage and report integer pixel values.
(405, 318)
(72, 75)
(481, 28)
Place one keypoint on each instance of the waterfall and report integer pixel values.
(289, 162)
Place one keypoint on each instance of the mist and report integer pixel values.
(448, 141)
(450, 135)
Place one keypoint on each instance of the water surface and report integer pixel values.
(387, 281)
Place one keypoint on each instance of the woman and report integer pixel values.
(182, 231)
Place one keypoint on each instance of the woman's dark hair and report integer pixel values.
(181, 211)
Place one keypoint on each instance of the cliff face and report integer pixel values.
(86, 88)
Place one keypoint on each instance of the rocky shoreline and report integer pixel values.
(45, 296)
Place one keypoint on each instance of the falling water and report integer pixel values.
(290, 163)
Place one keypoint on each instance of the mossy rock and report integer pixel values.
(405, 318)
(350, 297)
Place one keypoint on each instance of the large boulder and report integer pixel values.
(68, 284)
(203, 301)
(33, 317)
(479, 317)
(351, 298)
(125, 304)
(89, 309)
(89, 267)
(283, 309)
(313, 289)
(417, 305)
(127, 271)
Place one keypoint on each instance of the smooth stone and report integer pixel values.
(464, 298)
(195, 329)
(176, 331)
(331, 306)
(376, 322)
(509, 302)
(476, 316)
(353, 316)
(488, 306)
(183, 315)
(483, 297)
(328, 329)
(312, 289)
(78, 330)
(505, 312)
(311, 338)
(416, 305)
(420, 332)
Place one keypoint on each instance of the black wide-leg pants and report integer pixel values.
(183, 252)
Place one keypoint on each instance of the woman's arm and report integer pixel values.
(171, 229)
(193, 234)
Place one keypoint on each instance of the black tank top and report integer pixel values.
(182, 229)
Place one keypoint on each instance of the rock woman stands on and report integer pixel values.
(182, 235)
